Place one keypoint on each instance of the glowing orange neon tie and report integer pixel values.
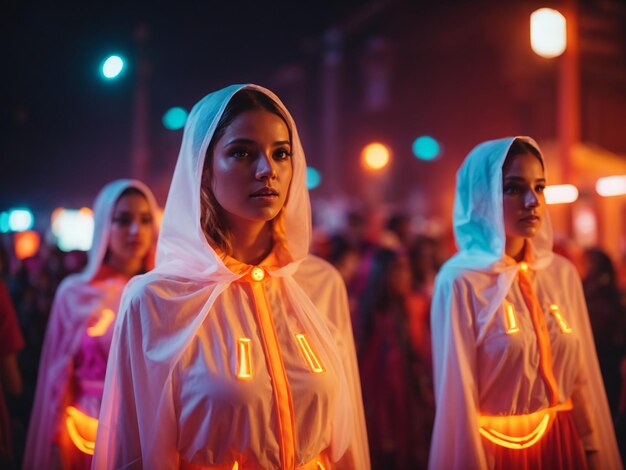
(541, 331)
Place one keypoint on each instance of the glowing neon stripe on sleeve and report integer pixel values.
(244, 369)
(565, 328)
(82, 429)
(100, 328)
(309, 355)
(512, 326)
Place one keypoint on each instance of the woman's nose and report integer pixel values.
(531, 199)
(265, 167)
(133, 227)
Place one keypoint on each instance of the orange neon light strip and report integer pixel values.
(82, 429)
(244, 370)
(320, 466)
(105, 320)
(282, 391)
(235, 466)
(309, 355)
(565, 328)
(512, 442)
(512, 326)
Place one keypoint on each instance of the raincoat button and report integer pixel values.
(257, 273)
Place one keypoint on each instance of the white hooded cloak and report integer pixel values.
(79, 300)
(479, 369)
(174, 393)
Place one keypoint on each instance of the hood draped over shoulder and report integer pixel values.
(182, 247)
(478, 213)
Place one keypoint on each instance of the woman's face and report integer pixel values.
(131, 229)
(252, 168)
(523, 199)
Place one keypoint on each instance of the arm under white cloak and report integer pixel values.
(456, 442)
(137, 427)
(590, 392)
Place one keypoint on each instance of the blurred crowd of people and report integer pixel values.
(389, 274)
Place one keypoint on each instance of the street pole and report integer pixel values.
(140, 150)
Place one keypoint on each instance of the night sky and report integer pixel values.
(64, 132)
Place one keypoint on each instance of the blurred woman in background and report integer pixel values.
(64, 418)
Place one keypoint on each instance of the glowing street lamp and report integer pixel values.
(375, 156)
(112, 67)
(548, 32)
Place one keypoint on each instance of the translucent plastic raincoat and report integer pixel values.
(73, 359)
(217, 364)
(488, 387)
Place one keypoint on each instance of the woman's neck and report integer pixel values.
(251, 243)
(127, 268)
(514, 247)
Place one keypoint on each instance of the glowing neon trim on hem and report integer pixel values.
(512, 326)
(101, 327)
(512, 442)
(309, 355)
(320, 466)
(565, 328)
(244, 371)
(78, 425)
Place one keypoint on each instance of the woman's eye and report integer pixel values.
(121, 221)
(512, 189)
(540, 188)
(240, 154)
(282, 154)
(146, 220)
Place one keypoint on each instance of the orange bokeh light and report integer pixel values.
(26, 244)
(375, 156)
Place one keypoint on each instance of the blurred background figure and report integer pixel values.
(394, 360)
(11, 342)
(607, 313)
(64, 419)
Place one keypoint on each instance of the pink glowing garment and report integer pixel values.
(200, 352)
(73, 362)
(485, 354)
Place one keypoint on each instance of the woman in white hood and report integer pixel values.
(517, 382)
(73, 362)
(236, 352)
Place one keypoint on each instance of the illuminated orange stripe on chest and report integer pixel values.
(556, 312)
(100, 328)
(309, 355)
(82, 429)
(244, 368)
(512, 325)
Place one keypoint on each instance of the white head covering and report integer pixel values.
(182, 243)
(172, 301)
(478, 213)
(480, 237)
(103, 207)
